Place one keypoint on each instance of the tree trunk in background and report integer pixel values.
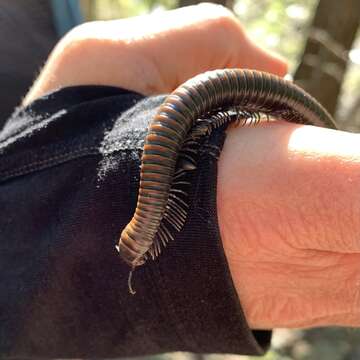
(89, 9)
(228, 3)
(331, 34)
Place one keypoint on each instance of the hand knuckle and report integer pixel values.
(219, 15)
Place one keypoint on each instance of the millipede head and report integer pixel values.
(127, 252)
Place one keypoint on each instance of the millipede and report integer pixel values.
(191, 112)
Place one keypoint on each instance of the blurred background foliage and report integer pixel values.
(321, 41)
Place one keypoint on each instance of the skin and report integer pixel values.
(288, 215)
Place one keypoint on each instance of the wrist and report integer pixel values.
(289, 222)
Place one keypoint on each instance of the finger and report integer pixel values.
(284, 186)
(163, 50)
(223, 34)
(199, 38)
(258, 58)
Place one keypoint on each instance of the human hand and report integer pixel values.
(152, 54)
(287, 211)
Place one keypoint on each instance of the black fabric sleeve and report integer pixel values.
(69, 176)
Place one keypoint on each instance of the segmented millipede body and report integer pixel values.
(203, 103)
